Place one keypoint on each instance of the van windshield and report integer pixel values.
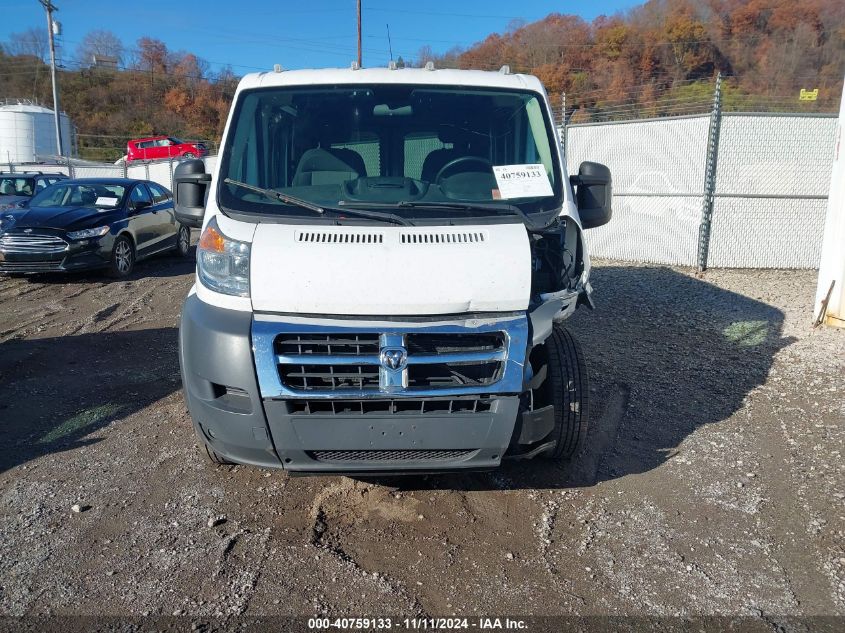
(418, 151)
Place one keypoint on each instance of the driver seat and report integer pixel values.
(437, 160)
(464, 144)
(328, 166)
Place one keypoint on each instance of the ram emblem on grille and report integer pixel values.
(394, 358)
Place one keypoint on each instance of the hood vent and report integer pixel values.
(338, 237)
(468, 237)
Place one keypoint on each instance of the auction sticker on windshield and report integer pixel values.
(522, 181)
(102, 201)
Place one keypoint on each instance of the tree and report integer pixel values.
(32, 43)
(152, 55)
(99, 43)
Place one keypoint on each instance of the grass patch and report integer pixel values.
(747, 333)
(81, 421)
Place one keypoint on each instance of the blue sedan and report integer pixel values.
(106, 223)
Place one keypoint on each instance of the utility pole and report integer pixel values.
(49, 7)
(359, 34)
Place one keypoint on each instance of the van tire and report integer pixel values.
(567, 388)
(183, 240)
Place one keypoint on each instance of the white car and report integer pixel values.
(385, 261)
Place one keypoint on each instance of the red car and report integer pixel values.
(159, 147)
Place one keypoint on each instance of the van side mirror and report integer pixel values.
(190, 189)
(594, 192)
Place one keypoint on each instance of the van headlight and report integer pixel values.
(222, 263)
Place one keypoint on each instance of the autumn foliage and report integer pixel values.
(156, 91)
(768, 49)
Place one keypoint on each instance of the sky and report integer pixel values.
(254, 35)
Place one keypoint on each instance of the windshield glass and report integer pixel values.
(11, 186)
(95, 196)
(401, 147)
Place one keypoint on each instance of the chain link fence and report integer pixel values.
(771, 188)
(658, 174)
(724, 189)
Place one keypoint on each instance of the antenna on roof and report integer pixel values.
(392, 65)
(505, 70)
(389, 44)
(277, 68)
(354, 66)
(429, 65)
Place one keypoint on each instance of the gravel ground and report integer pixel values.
(712, 482)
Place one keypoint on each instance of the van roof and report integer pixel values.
(444, 77)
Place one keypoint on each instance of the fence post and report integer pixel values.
(563, 138)
(710, 176)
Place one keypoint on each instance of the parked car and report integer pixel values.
(107, 223)
(161, 147)
(16, 188)
(362, 308)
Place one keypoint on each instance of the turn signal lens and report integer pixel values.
(211, 239)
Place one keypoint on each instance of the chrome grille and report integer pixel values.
(327, 344)
(377, 360)
(336, 377)
(352, 362)
(31, 243)
(392, 455)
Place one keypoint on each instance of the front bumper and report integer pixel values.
(55, 253)
(218, 355)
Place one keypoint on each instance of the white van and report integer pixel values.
(385, 261)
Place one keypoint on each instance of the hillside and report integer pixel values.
(155, 92)
(661, 55)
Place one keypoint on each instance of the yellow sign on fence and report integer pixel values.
(808, 95)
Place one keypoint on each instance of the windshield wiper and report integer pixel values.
(471, 206)
(305, 204)
(353, 209)
(277, 195)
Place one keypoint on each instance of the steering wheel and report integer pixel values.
(463, 159)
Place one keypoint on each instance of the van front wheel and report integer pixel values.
(566, 387)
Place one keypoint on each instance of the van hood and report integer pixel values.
(390, 271)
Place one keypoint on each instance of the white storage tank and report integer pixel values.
(28, 134)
